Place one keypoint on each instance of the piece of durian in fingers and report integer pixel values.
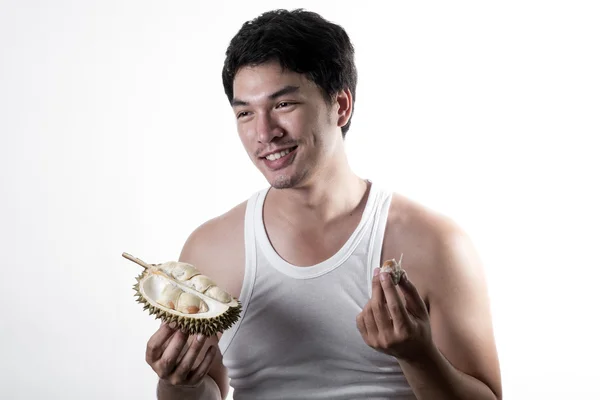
(394, 269)
(177, 300)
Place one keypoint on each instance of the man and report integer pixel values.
(319, 321)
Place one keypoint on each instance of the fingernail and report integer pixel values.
(199, 337)
(384, 276)
(172, 325)
(376, 272)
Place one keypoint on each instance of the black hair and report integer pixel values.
(301, 41)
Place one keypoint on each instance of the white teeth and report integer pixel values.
(276, 156)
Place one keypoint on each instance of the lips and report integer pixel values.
(277, 154)
(280, 159)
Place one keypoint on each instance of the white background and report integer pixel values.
(116, 135)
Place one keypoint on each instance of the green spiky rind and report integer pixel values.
(192, 326)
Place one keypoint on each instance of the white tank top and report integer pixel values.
(296, 337)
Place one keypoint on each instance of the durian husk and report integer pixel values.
(200, 323)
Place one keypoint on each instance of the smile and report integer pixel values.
(277, 156)
(280, 159)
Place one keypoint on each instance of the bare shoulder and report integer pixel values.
(426, 239)
(443, 264)
(216, 248)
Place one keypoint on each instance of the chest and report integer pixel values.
(303, 321)
(309, 241)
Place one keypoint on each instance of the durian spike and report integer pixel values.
(136, 260)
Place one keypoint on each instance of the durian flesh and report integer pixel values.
(178, 292)
(394, 269)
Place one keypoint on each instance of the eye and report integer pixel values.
(284, 104)
(242, 114)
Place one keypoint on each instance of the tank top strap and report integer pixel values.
(357, 243)
(249, 279)
(377, 235)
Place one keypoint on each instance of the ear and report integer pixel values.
(345, 102)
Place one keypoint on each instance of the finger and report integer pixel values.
(360, 325)
(168, 361)
(189, 358)
(395, 306)
(197, 374)
(173, 326)
(210, 341)
(203, 349)
(376, 291)
(156, 343)
(369, 321)
(377, 302)
(414, 303)
(379, 308)
(189, 342)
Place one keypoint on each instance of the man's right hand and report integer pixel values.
(177, 358)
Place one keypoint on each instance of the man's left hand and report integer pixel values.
(387, 324)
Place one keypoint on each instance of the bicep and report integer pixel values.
(197, 251)
(217, 259)
(460, 314)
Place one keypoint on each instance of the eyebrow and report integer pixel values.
(281, 92)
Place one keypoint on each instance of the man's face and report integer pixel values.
(285, 125)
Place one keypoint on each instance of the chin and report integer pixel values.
(285, 181)
(282, 182)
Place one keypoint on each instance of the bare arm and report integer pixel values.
(214, 258)
(448, 351)
(208, 390)
(463, 363)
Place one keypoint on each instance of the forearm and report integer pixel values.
(434, 378)
(207, 390)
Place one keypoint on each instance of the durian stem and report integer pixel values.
(136, 260)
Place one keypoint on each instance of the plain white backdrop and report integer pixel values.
(116, 135)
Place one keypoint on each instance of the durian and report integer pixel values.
(178, 292)
(394, 269)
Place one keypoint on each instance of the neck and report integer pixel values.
(333, 191)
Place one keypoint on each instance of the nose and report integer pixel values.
(267, 128)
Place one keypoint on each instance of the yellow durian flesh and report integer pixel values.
(173, 300)
(204, 284)
(394, 268)
(201, 283)
(191, 304)
(169, 296)
(219, 294)
(167, 267)
(182, 271)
